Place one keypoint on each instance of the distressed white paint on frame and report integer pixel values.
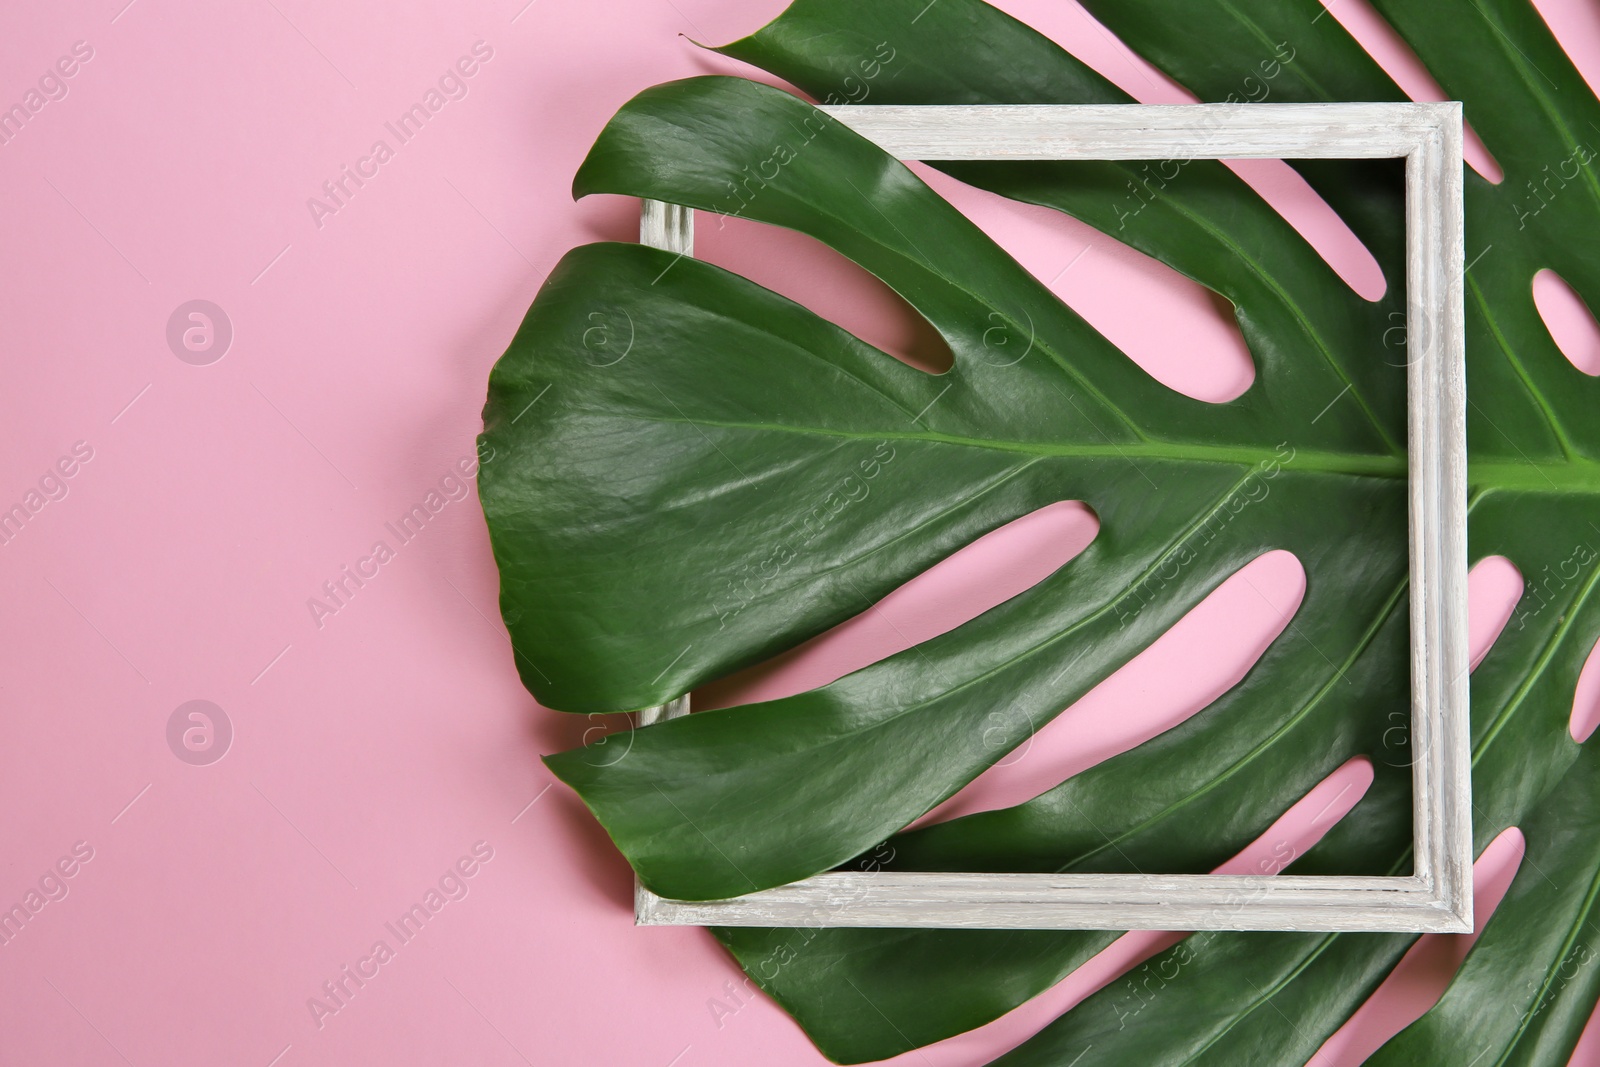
(1437, 897)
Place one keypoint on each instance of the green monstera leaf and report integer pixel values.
(693, 474)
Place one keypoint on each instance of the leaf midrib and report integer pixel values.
(1375, 466)
(1575, 477)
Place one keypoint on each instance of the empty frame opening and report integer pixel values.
(1433, 902)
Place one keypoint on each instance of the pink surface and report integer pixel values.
(1571, 323)
(199, 480)
(1416, 982)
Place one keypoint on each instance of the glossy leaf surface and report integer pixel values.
(702, 474)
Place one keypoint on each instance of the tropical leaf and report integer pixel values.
(745, 475)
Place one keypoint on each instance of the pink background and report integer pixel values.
(372, 752)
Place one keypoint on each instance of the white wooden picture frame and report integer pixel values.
(1437, 897)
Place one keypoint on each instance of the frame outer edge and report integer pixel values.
(1456, 762)
(1438, 897)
